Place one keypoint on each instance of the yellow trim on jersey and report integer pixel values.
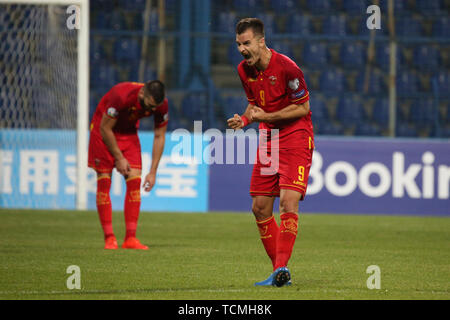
(292, 185)
(297, 100)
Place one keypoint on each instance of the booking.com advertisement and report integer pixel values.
(211, 171)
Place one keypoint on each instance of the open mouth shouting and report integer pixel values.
(247, 56)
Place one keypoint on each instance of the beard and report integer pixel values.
(141, 101)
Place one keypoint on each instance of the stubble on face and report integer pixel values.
(249, 47)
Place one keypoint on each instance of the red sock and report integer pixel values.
(132, 206)
(286, 238)
(268, 229)
(104, 208)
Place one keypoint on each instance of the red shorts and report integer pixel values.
(101, 160)
(291, 172)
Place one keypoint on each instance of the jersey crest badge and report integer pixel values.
(273, 80)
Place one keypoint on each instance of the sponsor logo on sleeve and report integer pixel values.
(294, 84)
(297, 95)
(112, 112)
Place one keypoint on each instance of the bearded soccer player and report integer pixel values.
(114, 143)
(279, 100)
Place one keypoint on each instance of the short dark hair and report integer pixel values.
(255, 24)
(155, 88)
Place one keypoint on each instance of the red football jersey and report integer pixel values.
(280, 85)
(122, 103)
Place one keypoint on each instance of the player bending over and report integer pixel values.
(114, 143)
(278, 99)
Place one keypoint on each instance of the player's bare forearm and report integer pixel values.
(158, 147)
(293, 111)
(248, 112)
(108, 137)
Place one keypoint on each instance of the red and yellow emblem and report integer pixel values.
(273, 80)
(290, 225)
(263, 232)
(135, 196)
(102, 198)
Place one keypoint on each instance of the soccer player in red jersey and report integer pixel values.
(114, 143)
(279, 100)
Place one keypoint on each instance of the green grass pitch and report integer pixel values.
(219, 256)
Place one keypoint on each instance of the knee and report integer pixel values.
(261, 211)
(287, 205)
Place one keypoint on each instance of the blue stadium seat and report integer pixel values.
(441, 27)
(246, 6)
(283, 48)
(116, 20)
(368, 130)
(331, 81)
(226, 22)
(447, 114)
(445, 132)
(426, 58)
(194, 106)
(442, 80)
(399, 6)
(154, 21)
(408, 27)
(424, 112)
(283, 6)
(270, 26)
(150, 73)
(375, 83)
(100, 20)
(131, 4)
(96, 51)
(382, 55)
(234, 56)
(406, 130)
(134, 21)
(429, 7)
(235, 104)
(335, 25)
(176, 123)
(103, 5)
(355, 7)
(314, 55)
(319, 110)
(352, 55)
(130, 72)
(403, 111)
(381, 112)
(350, 111)
(319, 6)
(329, 128)
(407, 84)
(176, 119)
(104, 75)
(127, 49)
(298, 24)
